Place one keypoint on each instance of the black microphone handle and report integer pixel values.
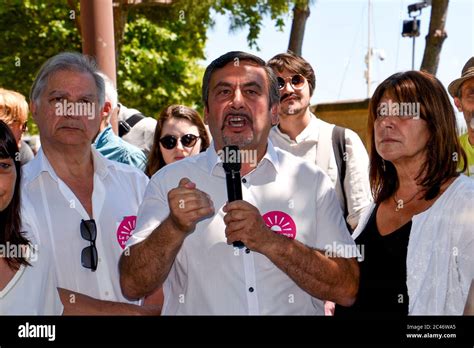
(234, 187)
(234, 193)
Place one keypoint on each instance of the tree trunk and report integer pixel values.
(73, 5)
(121, 11)
(300, 15)
(435, 37)
(121, 8)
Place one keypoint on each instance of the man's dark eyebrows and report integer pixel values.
(222, 84)
(253, 84)
(64, 93)
(55, 91)
(88, 96)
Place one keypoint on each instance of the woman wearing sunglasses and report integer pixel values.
(179, 133)
(27, 281)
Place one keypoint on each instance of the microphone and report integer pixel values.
(231, 164)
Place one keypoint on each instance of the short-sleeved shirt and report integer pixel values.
(114, 148)
(33, 289)
(209, 276)
(469, 149)
(52, 211)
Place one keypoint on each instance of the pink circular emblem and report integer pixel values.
(281, 223)
(125, 229)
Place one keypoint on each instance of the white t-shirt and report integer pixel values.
(33, 289)
(208, 276)
(53, 213)
(308, 145)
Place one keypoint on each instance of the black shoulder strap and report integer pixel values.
(339, 147)
(126, 126)
(134, 119)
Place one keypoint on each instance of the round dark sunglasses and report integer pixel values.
(296, 81)
(170, 141)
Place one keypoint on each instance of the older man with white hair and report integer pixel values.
(81, 206)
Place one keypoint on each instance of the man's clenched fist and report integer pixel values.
(188, 205)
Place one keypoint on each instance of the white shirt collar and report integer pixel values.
(309, 133)
(41, 164)
(214, 162)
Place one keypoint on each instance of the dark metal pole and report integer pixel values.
(415, 30)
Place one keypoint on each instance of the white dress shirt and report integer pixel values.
(33, 289)
(308, 143)
(210, 277)
(440, 258)
(53, 213)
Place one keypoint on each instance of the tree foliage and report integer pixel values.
(157, 66)
(158, 58)
(155, 69)
(31, 32)
(250, 13)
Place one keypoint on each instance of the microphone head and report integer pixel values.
(231, 160)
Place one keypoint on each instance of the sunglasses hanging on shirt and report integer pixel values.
(89, 255)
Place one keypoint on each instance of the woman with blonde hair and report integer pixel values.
(14, 112)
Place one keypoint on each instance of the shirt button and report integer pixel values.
(251, 289)
(244, 180)
(107, 293)
(247, 250)
(99, 260)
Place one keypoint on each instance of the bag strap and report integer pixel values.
(323, 152)
(126, 126)
(134, 119)
(339, 146)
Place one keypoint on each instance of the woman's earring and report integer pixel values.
(383, 165)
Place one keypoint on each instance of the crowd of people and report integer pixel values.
(121, 214)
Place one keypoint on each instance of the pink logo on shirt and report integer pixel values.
(281, 223)
(125, 229)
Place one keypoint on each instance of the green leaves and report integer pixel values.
(158, 62)
(250, 13)
(155, 68)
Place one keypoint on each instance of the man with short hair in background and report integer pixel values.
(109, 144)
(303, 134)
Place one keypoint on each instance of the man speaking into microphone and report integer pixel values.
(289, 218)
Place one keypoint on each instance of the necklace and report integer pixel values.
(400, 203)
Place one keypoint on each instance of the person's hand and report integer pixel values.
(244, 223)
(329, 308)
(188, 205)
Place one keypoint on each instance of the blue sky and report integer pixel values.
(335, 43)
